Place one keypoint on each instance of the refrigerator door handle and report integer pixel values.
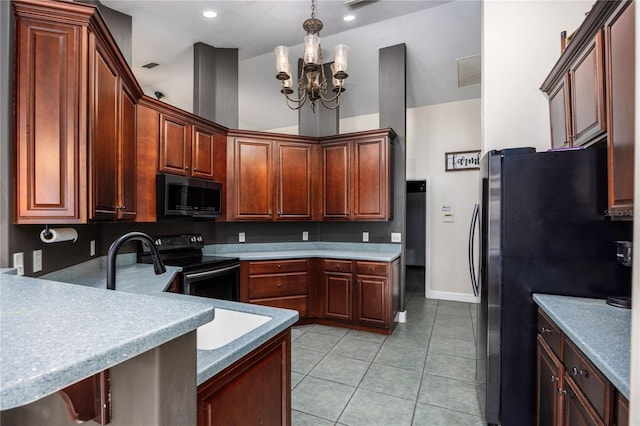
(472, 232)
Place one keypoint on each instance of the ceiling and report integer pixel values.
(436, 33)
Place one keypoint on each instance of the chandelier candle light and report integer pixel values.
(312, 83)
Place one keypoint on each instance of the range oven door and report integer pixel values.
(214, 282)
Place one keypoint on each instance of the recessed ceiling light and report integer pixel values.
(209, 14)
(349, 18)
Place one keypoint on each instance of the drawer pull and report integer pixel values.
(279, 284)
(577, 372)
(371, 268)
(279, 266)
(337, 266)
(554, 378)
(544, 330)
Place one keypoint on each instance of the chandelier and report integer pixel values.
(312, 83)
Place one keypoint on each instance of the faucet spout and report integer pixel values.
(158, 266)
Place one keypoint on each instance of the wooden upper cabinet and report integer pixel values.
(336, 179)
(358, 176)
(104, 135)
(253, 179)
(175, 145)
(587, 93)
(49, 137)
(620, 69)
(294, 180)
(559, 108)
(75, 117)
(202, 153)
(370, 179)
(127, 173)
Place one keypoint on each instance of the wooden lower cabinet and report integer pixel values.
(256, 390)
(281, 284)
(571, 390)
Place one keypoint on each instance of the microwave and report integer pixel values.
(180, 196)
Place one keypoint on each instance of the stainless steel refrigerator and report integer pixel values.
(543, 228)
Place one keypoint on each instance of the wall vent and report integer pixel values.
(469, 71)
(357, 4)
(150, 65)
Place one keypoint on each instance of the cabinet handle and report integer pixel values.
(371, 268)
(544, 330)
(279, 284)
(337, 266)
(186, 168)
(577, 372)
(121, 207)
(554, 378)
(195, 169)
(279, 266)
(279, 213)
(562, 391)
(347, 213)
(356, 213)
(270, 212)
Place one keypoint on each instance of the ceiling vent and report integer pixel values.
(150, 65)
(469, 71)
(357, 4)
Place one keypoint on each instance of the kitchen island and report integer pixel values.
(55, 333)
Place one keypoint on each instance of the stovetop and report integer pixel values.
(185, 251)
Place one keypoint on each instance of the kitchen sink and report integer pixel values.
(226, 327)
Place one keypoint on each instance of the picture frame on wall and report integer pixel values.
(462, 160)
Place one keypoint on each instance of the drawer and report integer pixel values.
(372, 268)
(276, 267)
(296, 303)
(551, 334)
(277, 285)
(337, 265)
(588, 379)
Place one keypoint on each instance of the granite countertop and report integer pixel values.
(54, 334)
(382, 252)
(140, 279)
(600, 331)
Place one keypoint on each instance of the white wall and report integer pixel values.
(521, 43)
(431, 132)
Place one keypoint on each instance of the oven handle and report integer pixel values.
(211, 273)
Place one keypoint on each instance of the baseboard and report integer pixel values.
(401, 317)
(455, 297)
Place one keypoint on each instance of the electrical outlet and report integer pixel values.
(37, 260)
(365, 236)
(92, 248)
(18, 262)
(396, 237)
(305, 236)
(241, 237)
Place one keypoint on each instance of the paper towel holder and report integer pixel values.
(46, 233)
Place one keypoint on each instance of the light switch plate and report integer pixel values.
(305, 236)
(365, 236)
(18, 262)
(396, 237)
(37, 260)
(241, 237)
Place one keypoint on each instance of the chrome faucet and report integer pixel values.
(158, 266)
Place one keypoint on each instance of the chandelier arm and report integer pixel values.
(324, 103)
(301, 101)
(336, 97)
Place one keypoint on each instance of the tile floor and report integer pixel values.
(422, 374)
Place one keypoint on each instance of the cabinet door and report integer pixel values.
(371, 304)
(202, 153)
(560, 114)
(253, 181)
(175, 145)
(50, 181)
(336, 181)
(620, 49)
(253, 391)
(587, 94)
(370, 178)
(549, 381)
(622, 411)
(103, 145)
(576, 409)
(294, 180)
(127, 158)
(337, 296)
